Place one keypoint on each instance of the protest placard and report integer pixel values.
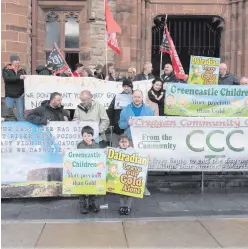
(204, 70)
(126, 172)
(84, 172)
(211, 101)
(32, 156)
(192, 143)
(38, 88)
(122, 100)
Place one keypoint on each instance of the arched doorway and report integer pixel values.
(192, 35)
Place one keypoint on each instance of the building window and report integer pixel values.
(71, 32)
(63, 29)
(52, 30)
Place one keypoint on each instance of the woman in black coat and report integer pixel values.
(157, 95)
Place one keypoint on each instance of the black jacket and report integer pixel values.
(160, 102)
(114, 117)
(141, 76)
(111, 78)
(99, 76)
(41, 70)
(83, 145)
(171, 78)
(7, 113)
(14, 86)
(229, 79)
(45, 112)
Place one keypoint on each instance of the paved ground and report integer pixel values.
(195, 233)
(162, 203)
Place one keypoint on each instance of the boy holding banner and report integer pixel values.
(88, 202)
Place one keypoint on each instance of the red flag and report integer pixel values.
(112, 27)
(112, 42)
(167, 46)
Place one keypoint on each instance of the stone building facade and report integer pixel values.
(24, 29)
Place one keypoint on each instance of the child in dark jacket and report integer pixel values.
(125, 201)
(88, 202)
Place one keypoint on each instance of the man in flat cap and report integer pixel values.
(14, 76)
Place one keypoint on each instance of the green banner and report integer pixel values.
(126, 172)
(84, 172)
(206, 101)
(204, 70)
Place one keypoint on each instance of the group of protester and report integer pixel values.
(14, 75)
(90, 110)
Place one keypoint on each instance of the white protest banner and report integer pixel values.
(193, 144)
(38, 88)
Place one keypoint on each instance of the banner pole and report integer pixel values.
(70, 71)
(202, 183)
(161, 63)
(161, 56)
(106, 40)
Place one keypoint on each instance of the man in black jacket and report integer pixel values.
(226, 78)
(114, 113)
(169, 75)
(146, 74)
(50, 110)
(14, 76)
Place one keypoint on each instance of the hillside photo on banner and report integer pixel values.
(32, 156)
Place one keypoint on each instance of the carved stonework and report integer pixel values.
(52, 16)
(72, 15)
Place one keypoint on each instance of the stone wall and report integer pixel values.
(41, 37)
(97, 33)
(16, 18)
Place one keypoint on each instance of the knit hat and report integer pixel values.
(127, 82)
(14, 57)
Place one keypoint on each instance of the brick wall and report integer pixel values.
(135, 18)
(15, 32)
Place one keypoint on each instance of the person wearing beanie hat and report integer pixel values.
(13, 76)
(114, 111)
(127, 82)
(45, 70)
(14, 58)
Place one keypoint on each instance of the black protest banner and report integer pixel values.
(57, 59)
